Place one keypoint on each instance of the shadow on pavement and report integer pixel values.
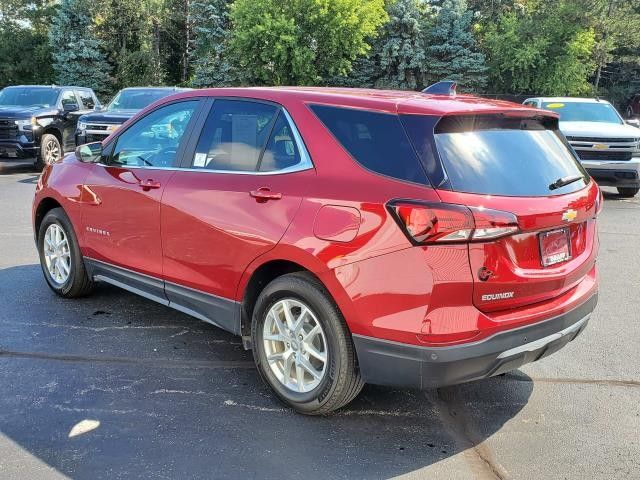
(178, 398)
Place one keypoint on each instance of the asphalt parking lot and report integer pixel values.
(115, 386)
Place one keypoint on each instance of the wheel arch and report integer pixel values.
(282, 260)
(44, 206)
(51, 130)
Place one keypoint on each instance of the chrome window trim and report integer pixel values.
(305, 159)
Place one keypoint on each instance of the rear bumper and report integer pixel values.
(615, 174)
(385, 362)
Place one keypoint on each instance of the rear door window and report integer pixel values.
(375, 140)
(87, 98)
(499, 155)
(234, 135)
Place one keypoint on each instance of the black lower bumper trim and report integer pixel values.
(384, 362)
(614, 178)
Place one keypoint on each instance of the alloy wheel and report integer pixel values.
(57, 255)
(51, 151)
(295, 345)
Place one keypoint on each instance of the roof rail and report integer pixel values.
(446, 87)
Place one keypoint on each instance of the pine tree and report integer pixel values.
(452, 52)
(78, 58)
(211, 25)
(401, 50)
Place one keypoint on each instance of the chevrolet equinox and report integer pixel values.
(348, 236)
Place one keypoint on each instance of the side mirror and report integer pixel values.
(70, 107)
(634, 122)
(90, 152)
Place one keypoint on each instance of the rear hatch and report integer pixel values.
(532, 205)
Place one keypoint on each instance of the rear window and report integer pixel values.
(375, 140)
(499, 155)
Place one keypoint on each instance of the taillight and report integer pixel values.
(426, 223)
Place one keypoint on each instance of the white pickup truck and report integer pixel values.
(608, 147)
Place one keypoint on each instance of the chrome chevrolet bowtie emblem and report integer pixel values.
(569, 215)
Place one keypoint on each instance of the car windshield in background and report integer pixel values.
(28, 97)
(137, 99)
(584, 112)
(501, 156)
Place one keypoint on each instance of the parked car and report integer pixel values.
(608, 147)
(348, 236)
(96, 126)
(633, 108)
(37, 123)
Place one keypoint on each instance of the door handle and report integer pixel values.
(149, 184)
(265, 194)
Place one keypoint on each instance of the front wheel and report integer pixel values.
(50, 151)
(628, 192)
(60, 256)
(302, 347)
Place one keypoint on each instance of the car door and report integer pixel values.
(238, 192)
(122, 222)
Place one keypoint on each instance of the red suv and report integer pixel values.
(349, 236)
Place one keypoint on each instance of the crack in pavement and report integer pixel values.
(477, 452)
(581, 381)
(147, 362)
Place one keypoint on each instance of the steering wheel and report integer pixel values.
(158, 159)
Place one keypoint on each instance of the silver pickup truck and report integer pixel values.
(608, 147)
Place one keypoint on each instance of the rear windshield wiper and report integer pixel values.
(564, 181)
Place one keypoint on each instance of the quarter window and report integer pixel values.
(375, 140)
(234, 136)
(154, 140)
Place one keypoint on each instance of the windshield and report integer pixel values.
(28, 97)
(136, 99)
(500, 156)
(584, 112)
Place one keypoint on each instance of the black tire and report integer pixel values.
(628, 192)
(342, 381)
(78, 283)
(42, 159)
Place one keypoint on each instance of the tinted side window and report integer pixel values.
(87, 99)
(234, 135)
(375, 140)
(282, 151)
(153, 141)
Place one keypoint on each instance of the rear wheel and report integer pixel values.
(302, 347)
(50, 151)
(628, 192)
(60, 256)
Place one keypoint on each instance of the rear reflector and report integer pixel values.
(427, 223)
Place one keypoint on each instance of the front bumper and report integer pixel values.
(385, 362)
(11, 150)
(614, 174)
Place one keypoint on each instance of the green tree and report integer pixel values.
(546, 49)
(78, 58)
(25, 56)
(452, 53)
(212, 29)
(301, 41)
(401, 50)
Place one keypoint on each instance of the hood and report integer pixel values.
(598, 129)
(108, 116)
(19, 113)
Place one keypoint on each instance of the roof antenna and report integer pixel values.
(446, 87)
